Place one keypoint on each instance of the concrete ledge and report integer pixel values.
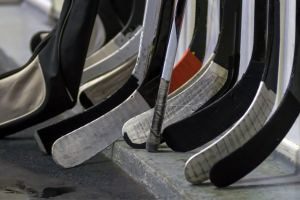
(142, 167)
(162, 174)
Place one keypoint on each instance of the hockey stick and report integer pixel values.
(154, 139)
(246, 158)
(210, 122)
(50, 73)
(151, 53)
(198, 166)
(134, 131)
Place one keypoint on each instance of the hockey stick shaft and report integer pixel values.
(154, 138)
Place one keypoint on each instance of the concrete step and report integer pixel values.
(162, 174)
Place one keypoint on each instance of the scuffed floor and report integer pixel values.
(25, 173)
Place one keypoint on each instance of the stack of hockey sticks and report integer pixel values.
(126, 78)
(64, 133)
(141, 123)
(235, 117)
(219, 74)
(136, 96)
(75, 140)
(139, 92)
(153, 42)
